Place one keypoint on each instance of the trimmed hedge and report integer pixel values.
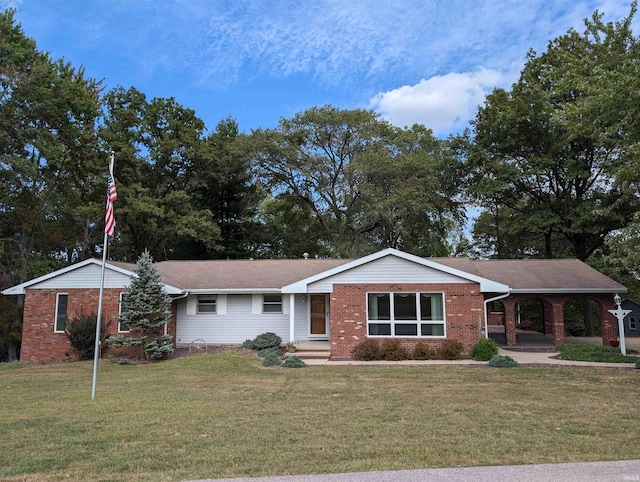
(451, 350)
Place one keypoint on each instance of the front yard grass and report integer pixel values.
(593, 353)
(223, 415)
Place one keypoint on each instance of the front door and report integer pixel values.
(318, 317)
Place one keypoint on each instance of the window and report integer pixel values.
(122, 327)
(633, 325)
(62, 299)
(405, 314)
(207, 305)
(272, 304)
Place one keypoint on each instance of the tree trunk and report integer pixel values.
(12, 351)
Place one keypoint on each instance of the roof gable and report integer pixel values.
(85, 274)
(486, 285)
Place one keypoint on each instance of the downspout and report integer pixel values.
(486, 313)
(186, 293)
(292, 317)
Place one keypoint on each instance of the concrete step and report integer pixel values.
(308, 355)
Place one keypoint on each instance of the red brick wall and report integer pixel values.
(39, 342)
(463, 307)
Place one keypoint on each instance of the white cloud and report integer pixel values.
(444, 103)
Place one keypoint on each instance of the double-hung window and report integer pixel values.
(272, 304)
(633, 324)
(207, 305)
(122, 327)
(62, 300)
(405, 314)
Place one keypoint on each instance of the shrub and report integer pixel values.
(638, 364)
(502, 361)
(367, 350)
(576, 329)
(266, 340)
(271, 361)
(265, 352)
(421, 352)
(484, 349)
(248, 345)
(293, 362)
(392, 350)
(451, 350)
(81, 332)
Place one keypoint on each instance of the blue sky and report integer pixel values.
(412, 61)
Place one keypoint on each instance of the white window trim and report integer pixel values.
(209, 298)
(55, 316)
(635, 323)
(120, 296)
(416, 322)
(273, 303)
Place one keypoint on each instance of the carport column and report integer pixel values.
(557, 320)
(510, 320)
(292, 317)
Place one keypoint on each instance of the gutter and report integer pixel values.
(486, 314)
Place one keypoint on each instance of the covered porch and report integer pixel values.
(507, 327)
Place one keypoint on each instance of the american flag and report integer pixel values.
(110, 220)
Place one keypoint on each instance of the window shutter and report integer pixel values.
(222, 304)
(192, 304)
(285, 304)
(256, 305)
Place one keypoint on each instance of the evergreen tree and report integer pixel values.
(145, 309)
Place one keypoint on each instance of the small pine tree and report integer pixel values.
(145, 308)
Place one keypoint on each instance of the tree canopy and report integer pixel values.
(556, 151)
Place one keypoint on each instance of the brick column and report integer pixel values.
(558, 321)
(510, 320)
(609, 322)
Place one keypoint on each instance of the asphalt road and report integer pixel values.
(620, 471)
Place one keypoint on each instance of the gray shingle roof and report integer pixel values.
(538, 275)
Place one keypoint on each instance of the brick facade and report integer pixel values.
(464, 306)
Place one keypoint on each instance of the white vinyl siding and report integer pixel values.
(85, 277)
(239, 323)
(60, 323)
(258, 303)
(385, 270)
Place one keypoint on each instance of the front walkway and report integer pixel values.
(522, 357)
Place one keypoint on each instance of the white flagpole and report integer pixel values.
(96, 355)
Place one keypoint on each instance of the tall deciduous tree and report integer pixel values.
(357, 184)
(48, 157)
(157, 145)
(556, 149)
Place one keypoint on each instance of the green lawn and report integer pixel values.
(224, 415)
